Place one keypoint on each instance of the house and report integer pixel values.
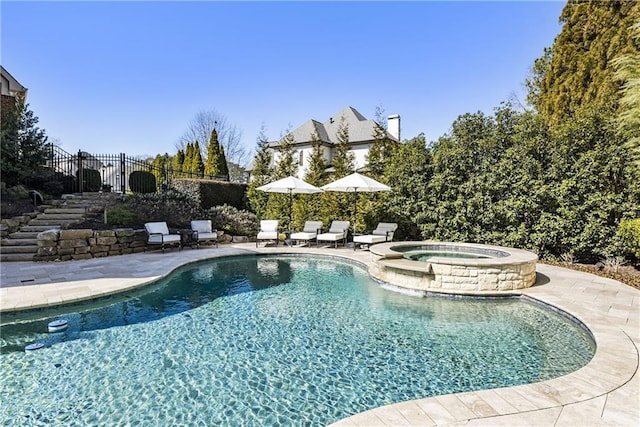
(361, 131)
(11, 89)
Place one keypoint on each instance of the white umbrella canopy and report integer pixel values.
(355, 183)
(290, 185)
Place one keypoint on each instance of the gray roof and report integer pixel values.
(360, 129)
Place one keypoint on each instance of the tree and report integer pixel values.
(310, 206)
(187, 164)
(178, 162)
(261, 175)
(627, 71)
(343, 158)
(287, 164)
(216, 159)
(197, 165)
(407, 171)
(379, 151)
(278, 205)
(229, 138)
(580, 71)
(24, 145)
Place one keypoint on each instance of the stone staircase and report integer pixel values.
(20, 235)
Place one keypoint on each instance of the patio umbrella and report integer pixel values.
(355, 183)
(290, 185)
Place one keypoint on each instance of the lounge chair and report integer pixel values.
(383, 233)
(337, 231)
(202, 231)
(309, 232)
(268, 231)
(159, 235)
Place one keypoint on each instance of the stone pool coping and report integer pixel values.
(604, 392)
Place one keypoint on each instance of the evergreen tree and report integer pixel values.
(197, 165)
(212, 166)
(278, 205)
(187, 164)
(378, 153)
(287, 164)
(159, 167)
(178, 162)
(627, 71)
(343, 159)
(261, 175)
(222, 164)
(310, 206)
(24, 146)
(580, 72)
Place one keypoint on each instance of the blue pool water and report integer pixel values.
(272, 341)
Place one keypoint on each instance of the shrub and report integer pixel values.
(120, 215)
(91, 180)
(233, 221)
(142, 182)
(171, 206)
(629, 235)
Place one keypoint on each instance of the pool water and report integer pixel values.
(427, 255)
(273, 340)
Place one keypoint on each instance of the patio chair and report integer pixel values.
(337, 231)
(309, 232)
(268, 231)
(159, 235)
(202, 231)
(383, 233)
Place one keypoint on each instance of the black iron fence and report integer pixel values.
(85, 172)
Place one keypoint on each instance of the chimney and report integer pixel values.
(393, 125)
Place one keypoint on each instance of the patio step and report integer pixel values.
(19, 249)
(19, 242)
(16, 257)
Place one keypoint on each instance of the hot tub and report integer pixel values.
(453, 267)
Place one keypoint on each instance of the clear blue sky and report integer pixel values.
(110, 77)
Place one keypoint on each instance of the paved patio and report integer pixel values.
(604, 392)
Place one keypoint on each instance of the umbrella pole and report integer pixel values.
(355, 210)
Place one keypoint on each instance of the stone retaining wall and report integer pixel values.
(64, 245)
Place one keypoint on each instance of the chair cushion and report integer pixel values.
(332, 237)
(201, 226)
(207, 236)
(339, 226)
(166, 238)
(303, 236)
(157, 227)
(312, 227)
(269, 225)
(267, 235)
(369, 239)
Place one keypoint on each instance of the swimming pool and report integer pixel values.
(274, 340)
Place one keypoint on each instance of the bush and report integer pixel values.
(91, 180)
(171, 206)
(233, 221)
(142, 182)
(629, 235)
(121, 216)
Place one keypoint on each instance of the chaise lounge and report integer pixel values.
(337, 231)
(309, 232)
(383, 233)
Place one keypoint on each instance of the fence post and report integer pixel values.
(123, 184)
(80, 173)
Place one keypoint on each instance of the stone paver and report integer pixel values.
(605, 392)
